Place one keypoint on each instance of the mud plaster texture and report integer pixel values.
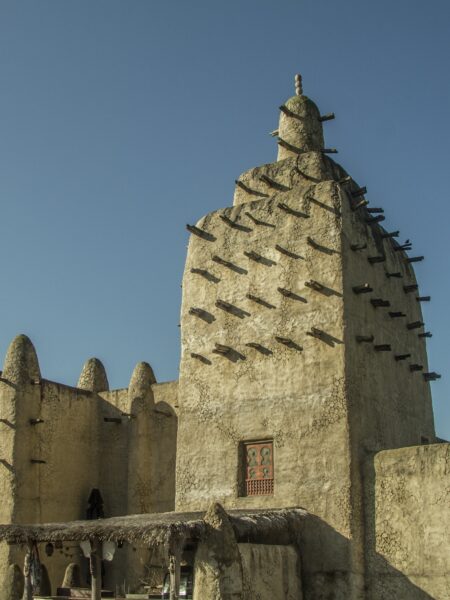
(411, 521)
(227, 570)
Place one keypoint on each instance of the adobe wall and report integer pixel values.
(295, 396)
(391, 404)
(151, 461)
(130, 456)
(56, 490)
(270, 572)
(266, 572)
(410, 548)
(225, 569)
(68, 441)
(149, 424)
(166, 427)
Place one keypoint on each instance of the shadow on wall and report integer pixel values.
(406, 519)
(165, 457)
(325, 576)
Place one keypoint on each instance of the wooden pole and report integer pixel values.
(27, 590)
(172, 569)
(177, 574)
(96, 569)
(174, 573)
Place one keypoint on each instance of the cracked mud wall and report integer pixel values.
(270, 572)
(293, 394)
(279, 276)
(411, 523)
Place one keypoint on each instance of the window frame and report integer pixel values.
(242, 467)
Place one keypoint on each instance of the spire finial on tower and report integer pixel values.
(300, 126)
(298, 85)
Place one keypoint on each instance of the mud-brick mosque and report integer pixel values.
(295, 457)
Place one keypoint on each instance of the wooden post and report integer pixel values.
(172, 569)
(27, 590)
(174, 573)
(96, 569)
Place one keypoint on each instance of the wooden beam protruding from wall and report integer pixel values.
(376, 259)
(390, 234)
(327, 117)
(402, 356)
(356, 247)
(292, 211)
(375, 220)
(250, 190)
(359, 192)
(289, 343)
(274, 184)
(410, 288)
(415, 325)
(362, 289)
(379, 303)
(360, 204)
(431, 376)
(201, 233)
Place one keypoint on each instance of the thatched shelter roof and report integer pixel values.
(276, 526)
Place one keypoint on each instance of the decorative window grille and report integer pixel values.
(258, 468)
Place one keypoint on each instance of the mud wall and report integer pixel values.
(410, 553)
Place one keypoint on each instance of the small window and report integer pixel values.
(257, 468)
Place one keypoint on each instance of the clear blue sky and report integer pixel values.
(121, 121)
